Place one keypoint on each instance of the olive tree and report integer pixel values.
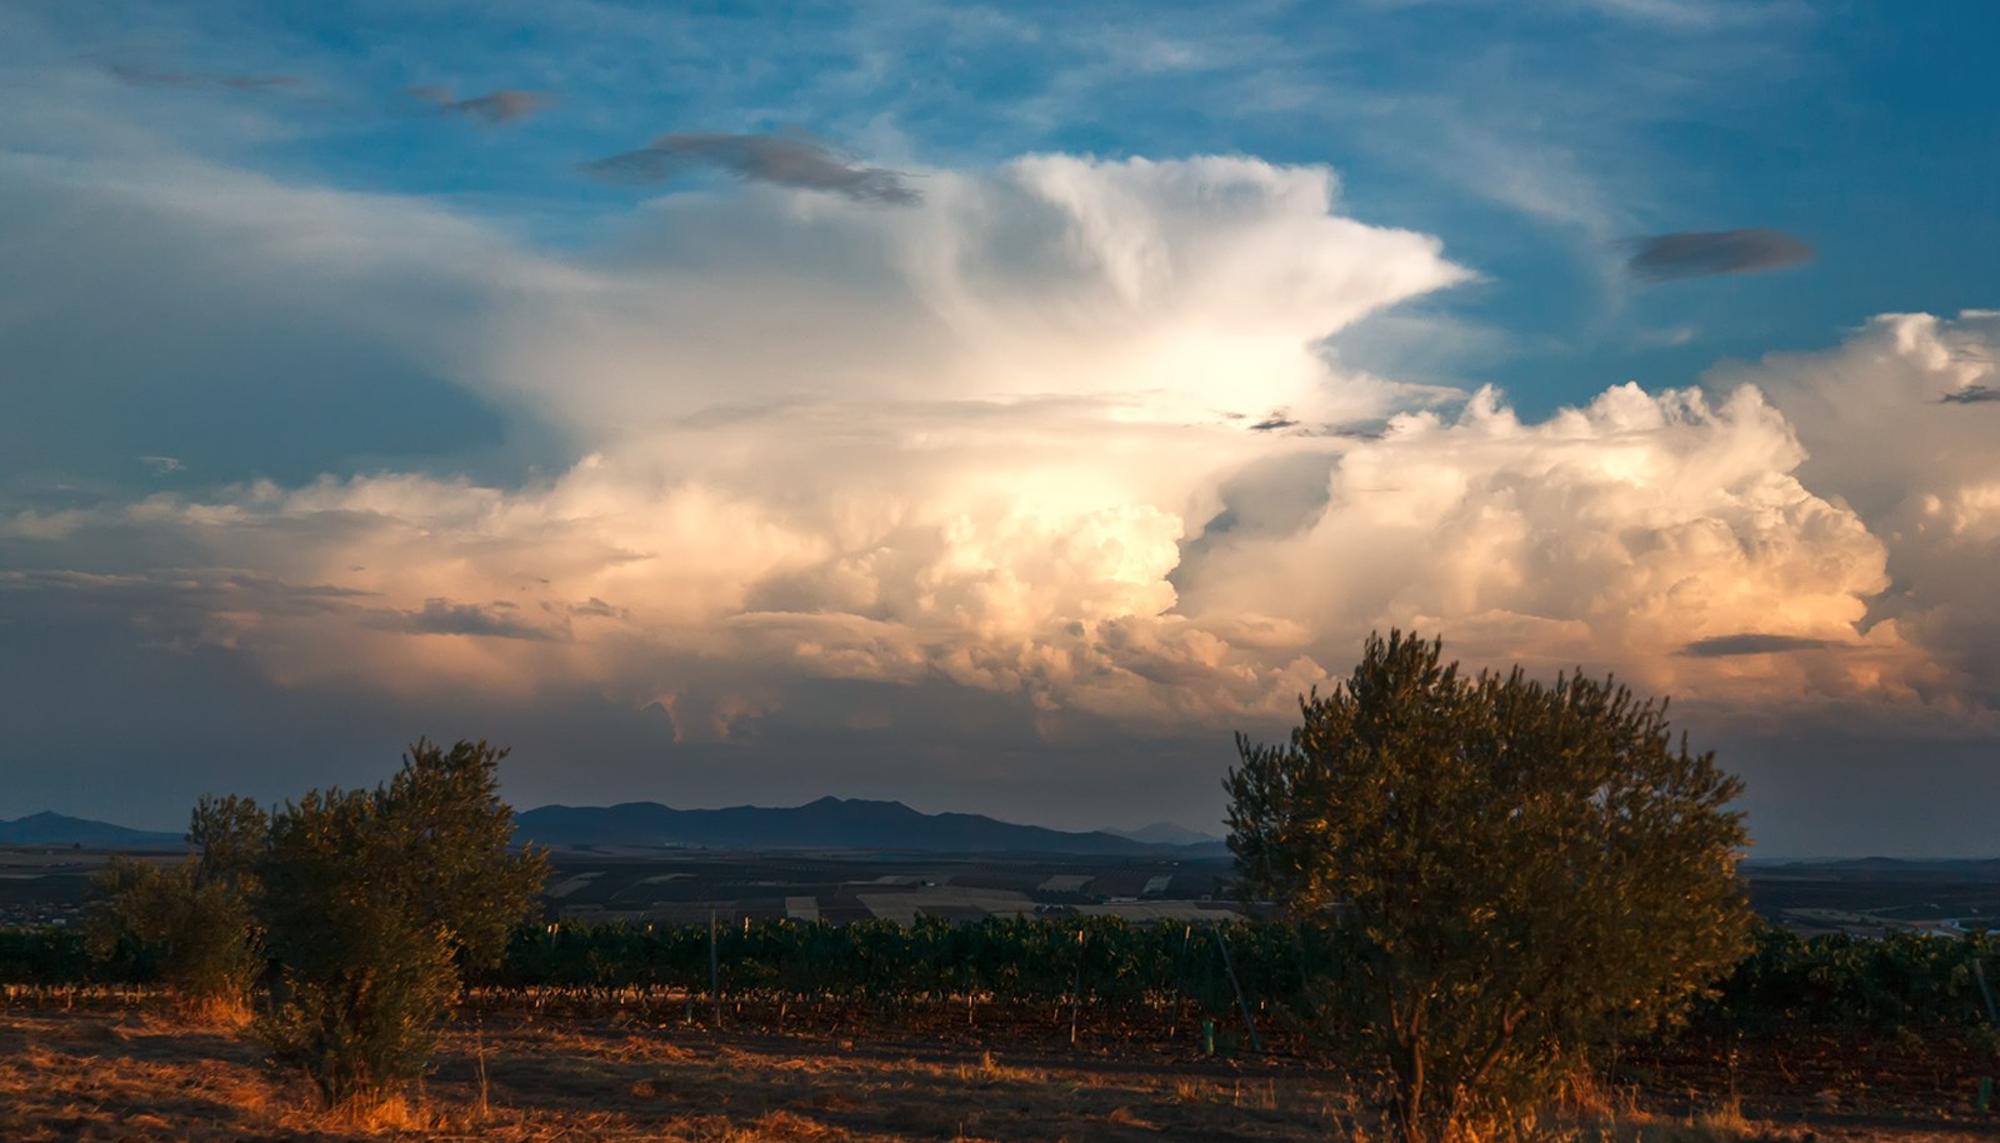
(229, 835)
(192, 921)
(373, 899)
(1517, 871)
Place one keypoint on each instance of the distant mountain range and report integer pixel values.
(1167, 833)
(48, 828)
(829, 823)
(1977, 869)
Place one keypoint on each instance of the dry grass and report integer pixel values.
(149, 1074)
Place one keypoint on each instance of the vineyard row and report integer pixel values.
(1905, 984)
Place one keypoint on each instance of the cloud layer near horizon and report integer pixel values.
(1065, 432)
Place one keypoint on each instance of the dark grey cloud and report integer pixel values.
(783, 160)
(502, 106)
(1273, 423)
(168, 608)
(443, 617)
(1751, 643)
(1972, 395)
(1693, 254)
(142, 75)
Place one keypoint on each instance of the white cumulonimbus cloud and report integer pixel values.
(1064, 430)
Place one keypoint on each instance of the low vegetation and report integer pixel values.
(197, 933)
(362, 906)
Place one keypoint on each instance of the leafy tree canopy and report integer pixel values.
(370, 899)
(1519, 869)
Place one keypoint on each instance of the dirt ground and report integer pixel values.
(140, 1074)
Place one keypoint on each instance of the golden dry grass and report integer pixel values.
(148, 1074)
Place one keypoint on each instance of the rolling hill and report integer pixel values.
(829, 823)
(47, 828)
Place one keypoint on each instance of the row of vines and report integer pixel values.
(1901, 984)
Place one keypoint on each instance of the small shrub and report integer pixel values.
(191, 922)
(359, 1030)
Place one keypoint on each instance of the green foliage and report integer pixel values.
(229, 835)
(1790, 985)
(1516, 871)
(1899, 985)
(191, 923)
(196, 934)
(47, 955)
(371, 898)
(361, 1026)
(1119, 967)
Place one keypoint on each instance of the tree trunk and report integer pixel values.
(1408, 1063)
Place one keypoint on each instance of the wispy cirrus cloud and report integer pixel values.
(782, 160)
(144, 75)
(1695, 254)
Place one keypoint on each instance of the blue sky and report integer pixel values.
(1537, 141)
(258, 282)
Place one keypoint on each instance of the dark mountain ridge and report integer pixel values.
(47, 828)
(829, 823)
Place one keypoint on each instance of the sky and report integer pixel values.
(991, 408)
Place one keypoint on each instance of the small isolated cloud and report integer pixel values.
(144, 76)
(162, 465)
(1273, 423)
(783, 160)
(1751, 643)
(1694, 254)
(503, 106)
(443, 617)
(1972, 395)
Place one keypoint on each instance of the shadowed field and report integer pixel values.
(141, 1075)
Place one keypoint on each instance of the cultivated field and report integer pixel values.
(134, 1072)
(931, 1012)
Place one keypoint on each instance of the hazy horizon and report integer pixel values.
(990, 409)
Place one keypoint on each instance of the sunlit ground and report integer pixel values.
(140, 1073)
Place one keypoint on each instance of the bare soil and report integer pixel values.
(140, 1073)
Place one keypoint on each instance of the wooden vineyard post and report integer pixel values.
(479, 1038)
(1242, 1005)
(1985, 994)
(714, 972)
(1076, 990)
